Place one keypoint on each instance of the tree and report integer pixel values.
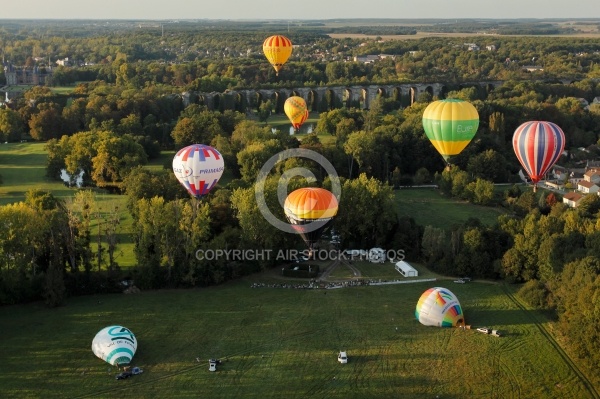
(115, 158)
(366, 212)
(144, 183)
(362, 147)
(481, 191)
(264, 110)
(422, 176)
(47, 122)
(256, 229)
(196, 127)
(577, 306)
(489, 165)
(11, 127)
(252, 158)
(54, 287)
(434, 246)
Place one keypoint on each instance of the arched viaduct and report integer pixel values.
(327, 98)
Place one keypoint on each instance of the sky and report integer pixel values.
(296, 10)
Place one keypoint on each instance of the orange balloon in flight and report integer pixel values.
(277, 49)
(296, 111)
(310, 211)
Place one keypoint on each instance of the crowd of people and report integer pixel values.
(314, 284)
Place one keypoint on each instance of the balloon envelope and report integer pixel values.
(277, 49)
(198, 168)
(115, 345)
(450, 125)
(538, 145)
(310, 210)
(439, 307)
(296, 111)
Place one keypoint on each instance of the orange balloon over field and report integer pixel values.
(277, 49)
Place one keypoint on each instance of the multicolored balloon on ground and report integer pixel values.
(450, 125)
(198, 168)
(310, 210)
(538, 145)
(277, 49)
(115, 345)
(440, 308)
(296, 111)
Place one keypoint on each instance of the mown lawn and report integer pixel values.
(430, 208)
(280, 342)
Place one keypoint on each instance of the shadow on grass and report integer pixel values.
(498, 318)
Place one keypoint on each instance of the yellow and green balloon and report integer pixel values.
(450, 125)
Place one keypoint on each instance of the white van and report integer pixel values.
(343, 357)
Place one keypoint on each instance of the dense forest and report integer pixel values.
(124, 107)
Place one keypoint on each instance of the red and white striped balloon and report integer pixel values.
(538, 145)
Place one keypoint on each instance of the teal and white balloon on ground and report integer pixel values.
(115, 345)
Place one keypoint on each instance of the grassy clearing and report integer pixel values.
(277, 342)
(23, 167)
(429, 208)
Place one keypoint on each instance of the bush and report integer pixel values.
(535, 294)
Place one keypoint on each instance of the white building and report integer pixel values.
(406, 270)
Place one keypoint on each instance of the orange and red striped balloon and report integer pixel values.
(277, 49)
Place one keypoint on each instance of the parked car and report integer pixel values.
(484, 330)
(136, 371)
(124, 375)
(343, 357)
(212, 365)
(459, 281)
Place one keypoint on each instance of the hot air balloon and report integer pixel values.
(450, 125)
(277, 49)
(115, 345)
(310, 210)
(538, 145)
(296, 111)
(198, 168)
(440, 308)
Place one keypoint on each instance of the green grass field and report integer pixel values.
(280, 342)
(429, 208)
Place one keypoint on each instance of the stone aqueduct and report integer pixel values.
(326, 98)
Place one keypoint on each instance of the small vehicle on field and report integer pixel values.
(124, 375)
(343, 357)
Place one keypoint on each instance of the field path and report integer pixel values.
(334, 265)
(582, 377)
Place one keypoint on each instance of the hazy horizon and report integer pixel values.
(309, 9)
